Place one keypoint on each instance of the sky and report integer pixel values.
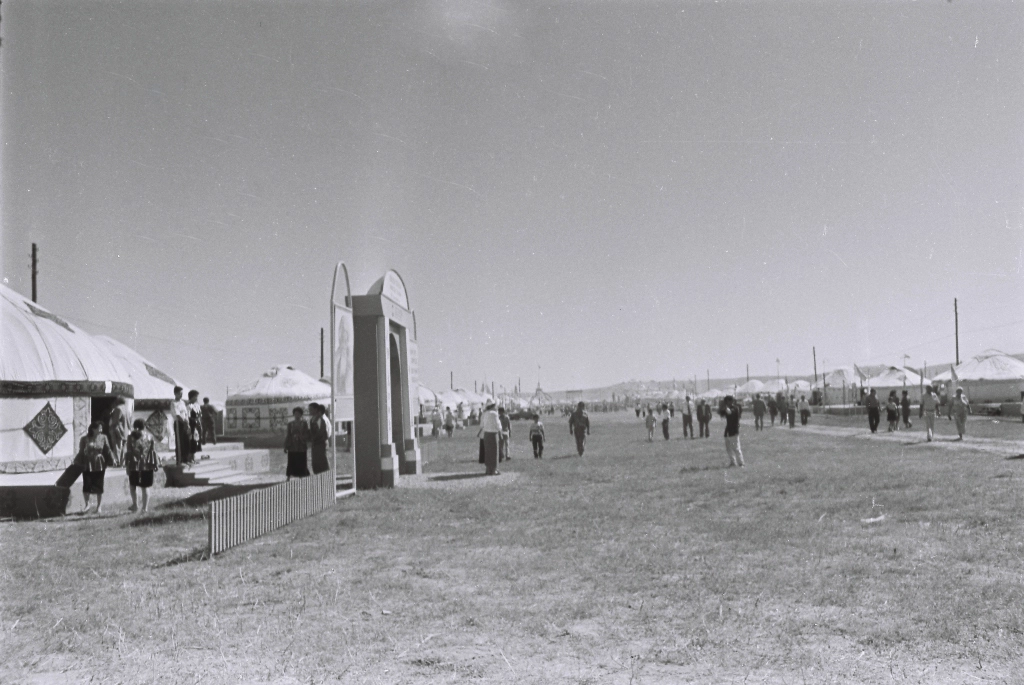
(575, 193)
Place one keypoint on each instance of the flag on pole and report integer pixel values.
(952, 374)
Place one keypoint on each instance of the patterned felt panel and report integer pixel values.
(157, 424)
(46, 429)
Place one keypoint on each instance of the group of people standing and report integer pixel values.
(688, 409)
(306, 441)
(193, 425)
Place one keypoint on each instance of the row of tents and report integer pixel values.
(991, 377)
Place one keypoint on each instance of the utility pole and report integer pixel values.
(451, 380)
(321, 352)
(814, 353)
(709, 378)
(956, 320)
(35, 271)
(748, 373)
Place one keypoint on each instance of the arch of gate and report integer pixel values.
(385, 375)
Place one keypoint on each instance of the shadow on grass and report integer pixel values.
(705, 467)
(219, 492)
(564, 456)
(1016, 456)
(195, 554)
(175, 514)
(458, 476)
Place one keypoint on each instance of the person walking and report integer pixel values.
(791, 410)
(929, 408)
(731, 412)
(874, 414)
(319, 436)
(579, 427)
(436, 423)
(650, 422)
(638, 410)
(704, 418)
(94, 457)
(805, 410)
(117, 430)
(687, 417)
(140, 462)
(960, 409)
(780, 400)
(905, 410)
(295, 443)
(892, 412)
(449, 421)
(773, 409)
(207, 412)
(490, 429)
(506, 435)
(759, 408)
(666, 414)
(537, 437)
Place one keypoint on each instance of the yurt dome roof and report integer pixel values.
(150, 382)
(284, 383)
(991, 365)
(38, 346)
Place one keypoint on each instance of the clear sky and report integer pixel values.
(604, 190)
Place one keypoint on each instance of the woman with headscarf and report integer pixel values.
(960, 409)
(94, 456)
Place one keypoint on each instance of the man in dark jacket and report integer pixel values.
(874, 415)
(579, 427)
(731, 413)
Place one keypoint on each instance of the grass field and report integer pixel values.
(640, 563)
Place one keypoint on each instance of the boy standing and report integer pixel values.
(140, 461)
(537, 437)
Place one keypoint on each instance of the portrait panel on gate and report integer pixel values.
(344, 386)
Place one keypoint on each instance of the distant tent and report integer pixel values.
(778, 385)
(990, 377)
(54, 380)
(265, 405)
(750, 387)
(427, 398)
(898, 379)
(712, 394)
(840, 385)
(541, 400)
(799, 387)
(449, 399)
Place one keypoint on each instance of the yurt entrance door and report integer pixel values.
(398, 421)
(100, 409)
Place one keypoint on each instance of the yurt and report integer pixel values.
(54, 380)
(898, 379)
(840, 385)
(800, 388)
(264, 407)
(449, 399)
(154, 391)
(751, 387)
(778, 385)
(712, 394)
(991, 377)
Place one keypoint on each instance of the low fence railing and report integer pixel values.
(238, 519)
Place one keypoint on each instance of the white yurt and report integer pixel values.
(840, 385)
(54, 380)
(449, 399)
(800, 388)
(265, 405)
(898, 379)
(991, 377)
(751, 387)
(775, 386)
(154, 391)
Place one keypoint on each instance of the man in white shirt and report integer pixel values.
(687, 417)
(490, 429)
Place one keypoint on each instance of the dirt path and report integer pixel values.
(1005, 448)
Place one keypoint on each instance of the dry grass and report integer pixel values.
(641, 563)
